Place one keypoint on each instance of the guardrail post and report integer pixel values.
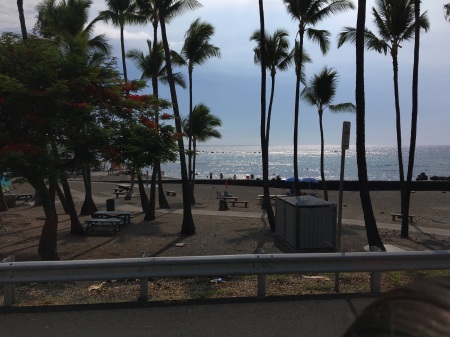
(143, 296)
(336, 283)
(375, 282)
(375, 277)
(9, 289)
(261, 277)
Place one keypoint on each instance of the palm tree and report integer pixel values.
(149, 65)
(188, 226)
(395, 22)
(264, 143)
(66, 23)
(278, 57)
(373, 237)
(145, 63)
(320, 92)
(149, 10)
(23, 26)
(309, 13)
(203, 127)
(196, 50)
(447, 11)
(120, 13)
(414, 114)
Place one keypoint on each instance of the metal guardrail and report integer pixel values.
(12, 273)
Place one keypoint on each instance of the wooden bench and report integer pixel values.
(172, 193)
(234, 202)
(100, 222)
(230, 198)
(400, 216)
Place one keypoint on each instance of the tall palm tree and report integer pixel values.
(66, 22)
(197, 50)
(23, 26)
(150, 11)
(120, 13)
(447, 11)
(188, 226)
(150, 65)
(414, 114)
(373, 237)
(320, 93)
(264, 144)
(309, 13)
(278, 57)
(395, 23)
(201, 127)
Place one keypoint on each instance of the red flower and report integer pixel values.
(166, 116)
(24, 148)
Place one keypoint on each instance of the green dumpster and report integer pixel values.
(110, 206)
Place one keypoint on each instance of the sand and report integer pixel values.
(239, 230)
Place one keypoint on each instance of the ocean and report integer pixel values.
(244, 161)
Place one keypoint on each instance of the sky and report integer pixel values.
(230, 85)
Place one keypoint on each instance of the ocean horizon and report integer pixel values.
(245, 160)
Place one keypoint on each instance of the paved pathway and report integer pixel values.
(306, 317)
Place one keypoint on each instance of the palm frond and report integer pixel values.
(447, 11)
(322, 37)
(343, 107)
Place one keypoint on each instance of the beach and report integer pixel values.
(239, 230)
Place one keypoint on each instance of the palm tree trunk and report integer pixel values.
(191, 169)
(269, 111)
(47, 248)
(415, 107)
(188, 226)
(75, 226)
(142, 193)
(297, 108)
(88, 206)
(150, 213)
(62, 199)
(122, 46)
(23, 27)
(267, 205)
(373, 236)
(322, 150)
(191, 172)
(403, 196)
(163, 203)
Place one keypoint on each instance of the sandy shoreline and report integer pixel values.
(241, 233)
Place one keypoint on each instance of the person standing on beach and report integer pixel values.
(210, 175)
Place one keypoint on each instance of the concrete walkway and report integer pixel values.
(304, 316)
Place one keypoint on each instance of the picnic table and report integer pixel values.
(125, 216)
(102, 222)
(122, 189)
(272, 197)
(24, 197)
